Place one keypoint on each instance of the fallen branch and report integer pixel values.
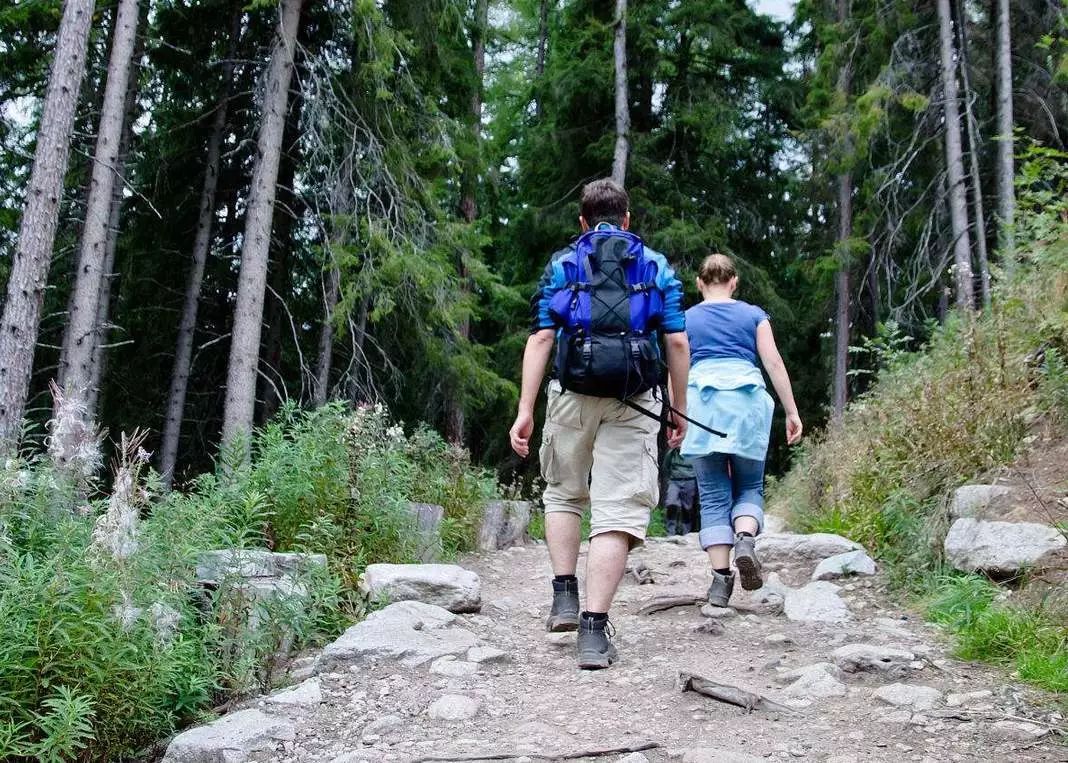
(576, 755)
(661, 603)
(732, 695)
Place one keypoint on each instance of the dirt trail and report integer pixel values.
(536, 703)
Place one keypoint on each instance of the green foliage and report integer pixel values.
(1031, 640)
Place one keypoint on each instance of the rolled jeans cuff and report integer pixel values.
(718, 535)
(748, 510)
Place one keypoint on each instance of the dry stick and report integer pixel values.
(732, 695)
(556, 756)
(661, 603)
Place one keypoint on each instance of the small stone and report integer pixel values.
(453, 707)
(717, 755)
(905, 695)
(560, 639)
(898, 716)
(843, 565)
(1017, 731)
(778, 639)
(634, 757)
(817, 602)
(482, 654)
(968, 698)
(718, 613)
(710, 627)
(450, 666)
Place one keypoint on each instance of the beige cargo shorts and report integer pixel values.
(599, 454)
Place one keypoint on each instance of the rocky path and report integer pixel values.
(863, 680)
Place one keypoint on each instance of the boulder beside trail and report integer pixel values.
(784, 548)
(844, 565)
(973, 500)
(1000, 548)
(445, 585)
(906, 695)
(504, 524)
(233, 739)
(409, 631)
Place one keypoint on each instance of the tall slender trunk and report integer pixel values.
(622, 151)
(98, 358)
(958, 201)
(982, 257)
(543, 37)
(1005, 170)
(78, 369)
(842, 288)
(454, 409)
(183, 351)
(40, 217)
(248, 311)
(326, 337)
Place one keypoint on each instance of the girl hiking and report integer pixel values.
(728, 338)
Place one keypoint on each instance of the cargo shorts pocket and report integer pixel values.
(649, 475)
(547, 457)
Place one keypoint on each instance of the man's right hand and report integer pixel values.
(677, 431)
(520, 433)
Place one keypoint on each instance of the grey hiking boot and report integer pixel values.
(745, 559)
(719, 593)
(564, 615)
(595, 649)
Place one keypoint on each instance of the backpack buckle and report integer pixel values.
(587, 350)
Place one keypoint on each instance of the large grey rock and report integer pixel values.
(973, 500)
(425, 520)
(445, 585)
(504, 524)
(453, 707)
(409, 631)
(969, 698)
(231, 739)
(844, 565)
(873, 658)
(817, 602)
(786, 548)
(217, 566)
(913, 697)
(1000, 548)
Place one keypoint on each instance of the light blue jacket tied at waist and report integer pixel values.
(728, 394)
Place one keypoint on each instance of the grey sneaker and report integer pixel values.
(564, 615)
(745, 559)
(719, 593)
(595, 649)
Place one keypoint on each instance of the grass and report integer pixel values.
(1031, 641)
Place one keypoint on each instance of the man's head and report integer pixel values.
(604, 201)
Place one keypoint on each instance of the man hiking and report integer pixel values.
(603, 301)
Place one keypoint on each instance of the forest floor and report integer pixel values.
(536, 703)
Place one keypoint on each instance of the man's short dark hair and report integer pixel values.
(604, 201)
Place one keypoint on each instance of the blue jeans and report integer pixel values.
(730, 487)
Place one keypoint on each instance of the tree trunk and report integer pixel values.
(619, 159)
(183, 351)
(543, 36)
(40, 217)
(326, 337)
(78, 367)
(252, 281)
(842, 312)
(958, 202)
(972, 127)
(98, 359)
(1005, 171)
(454, 409)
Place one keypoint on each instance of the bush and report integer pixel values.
(99, 657)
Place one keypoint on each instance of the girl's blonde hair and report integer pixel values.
(716, 269)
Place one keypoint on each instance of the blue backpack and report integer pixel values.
(608, 312)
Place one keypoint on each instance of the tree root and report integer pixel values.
(661, 603)
(575, 755)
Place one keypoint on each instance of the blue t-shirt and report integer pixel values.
(723, 330)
